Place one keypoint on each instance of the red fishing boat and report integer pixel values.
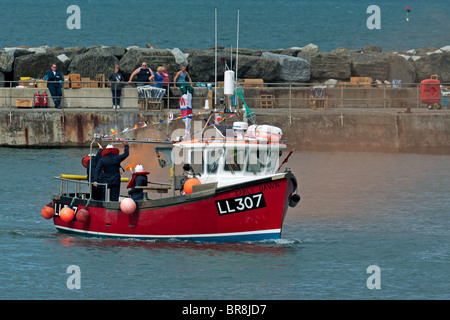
(238, 195)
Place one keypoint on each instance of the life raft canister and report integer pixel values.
(430, 90)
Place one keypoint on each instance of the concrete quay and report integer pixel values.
(346, 129)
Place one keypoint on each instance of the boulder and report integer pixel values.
(201, 66)
(154, 58)
(17, 51)
(42, 49)
(116, 51)
(329, 65)
(151, 46)
(433, 64)
(371, 48)
(292, 68)
(370, 65)
(6, 61)
(180, 57)
(90, 64)
(400, 69)
(423, 51)
(36, 65)
(310, 48)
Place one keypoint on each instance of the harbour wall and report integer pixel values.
(347, 129)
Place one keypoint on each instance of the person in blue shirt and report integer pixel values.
(158, 77)
(54, 80)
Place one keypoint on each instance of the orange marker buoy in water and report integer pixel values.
(48, 212)
(66, 214)
(189, 184)
(128, 206)
(83, 216)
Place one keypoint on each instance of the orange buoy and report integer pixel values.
(189, 184)
(48, 212)
(66, 214)
(128, 206)
(83, 216)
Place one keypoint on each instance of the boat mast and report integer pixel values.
(215, 59)
(237, 50)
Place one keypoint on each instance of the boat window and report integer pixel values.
(234, 159)
(272, 160)
(254, 164)
(196, 160)
(212, 157)
(261, 160)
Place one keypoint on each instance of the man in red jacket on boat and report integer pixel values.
(139, 179)
(110, 164)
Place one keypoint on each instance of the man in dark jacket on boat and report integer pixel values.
(110, 164)
(139, 179)
(98, 192)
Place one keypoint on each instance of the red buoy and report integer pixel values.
(48, 212)
(66, 214)
(189, 184)
(83, 216)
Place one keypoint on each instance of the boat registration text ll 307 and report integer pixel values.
(240, 204)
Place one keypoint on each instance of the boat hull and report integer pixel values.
(249, 211)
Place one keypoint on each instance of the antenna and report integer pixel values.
(237, 49)
(215, 58)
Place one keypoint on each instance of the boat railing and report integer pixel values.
(68, 185)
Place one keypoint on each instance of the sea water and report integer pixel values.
(358, 210)
(263, 24)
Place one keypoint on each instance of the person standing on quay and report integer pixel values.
(54, 79)
(143, 74)
(115, 79)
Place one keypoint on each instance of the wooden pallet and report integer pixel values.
(266, 101)
(150, 105)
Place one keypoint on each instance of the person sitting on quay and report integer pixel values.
(54, 80)
(180, 80)
(139, 179)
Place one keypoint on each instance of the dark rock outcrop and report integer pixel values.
(328, 65)
(201, 66)
(292, 69)
(280, 65)
(36, 65)
(90, 64)
(436, 63)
